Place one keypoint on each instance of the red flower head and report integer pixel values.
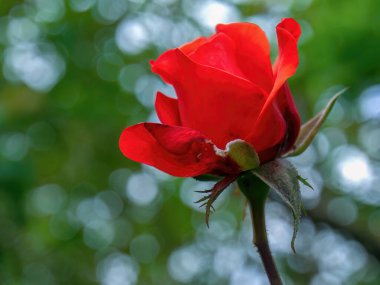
(227, 89)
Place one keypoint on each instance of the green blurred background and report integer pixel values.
(73, 210)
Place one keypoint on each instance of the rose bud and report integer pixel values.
(227, 91)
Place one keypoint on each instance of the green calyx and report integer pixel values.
(243, 154)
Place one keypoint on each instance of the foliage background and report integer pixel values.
(73, 210)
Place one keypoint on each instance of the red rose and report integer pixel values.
(227, 89)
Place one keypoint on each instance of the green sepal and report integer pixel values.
(212, 194)
(243, 154)
(311, 127)
(207, 177)
(281, 176)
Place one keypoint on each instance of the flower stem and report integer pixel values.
(256, 193)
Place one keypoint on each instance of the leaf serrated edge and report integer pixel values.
(304, 181)
(296, 214)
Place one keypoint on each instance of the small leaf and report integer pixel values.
(311, 127)
(282, 177)
(304, 182)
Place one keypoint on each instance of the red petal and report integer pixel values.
(167, 110)
(290, 25)
(288, 109)
(178, 151)
(192, 46)
(221, 106)
(219, 51)
(290, 113)
(288, 32)
(269, 133)
(269, 154)
(253, 52)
